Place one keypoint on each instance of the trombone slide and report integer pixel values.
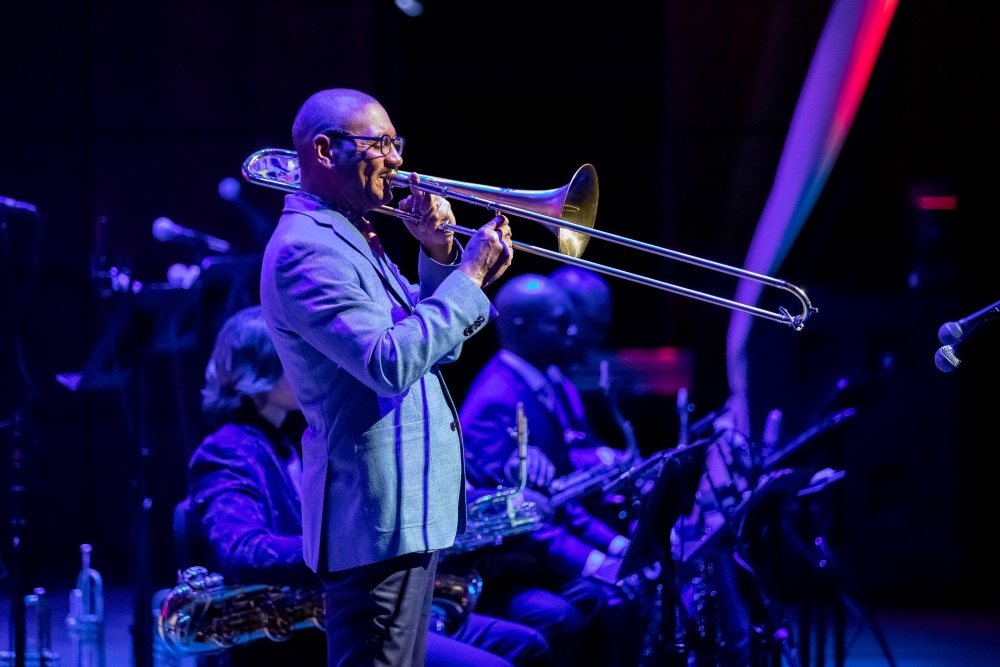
(568, 211)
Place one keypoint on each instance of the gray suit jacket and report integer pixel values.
(382, 456)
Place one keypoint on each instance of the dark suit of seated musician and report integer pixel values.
(576, 556)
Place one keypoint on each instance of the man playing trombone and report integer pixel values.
(383, 486)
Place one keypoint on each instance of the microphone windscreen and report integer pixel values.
(229, 189)
(946, 360)
(164, 229)
(950, 333)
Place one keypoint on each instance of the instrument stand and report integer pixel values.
(819, 554)
(19, 486)
(727, 594)
(16, 429)
(148, 320)
(119, 361)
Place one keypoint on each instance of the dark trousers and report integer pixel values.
(378, 615)
(485, 640)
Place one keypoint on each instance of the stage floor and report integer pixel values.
(927, 638)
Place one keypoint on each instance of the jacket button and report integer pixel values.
(454, 426)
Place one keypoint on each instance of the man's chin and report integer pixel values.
(384, 199)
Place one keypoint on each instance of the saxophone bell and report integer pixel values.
(455, 598)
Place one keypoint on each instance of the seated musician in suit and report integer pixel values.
(616, 445)
(713, 590)
(244, 495)
(577, 555)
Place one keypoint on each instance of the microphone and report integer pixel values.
(262, 225)
(229, 189)
(951, 332)
(947, 358)
(15, 205)
(165, 229)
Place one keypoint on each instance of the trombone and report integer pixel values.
(569, 212)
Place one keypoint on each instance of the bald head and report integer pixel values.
(536, 318)
(591, 297)
(334, 161)
(334, 109)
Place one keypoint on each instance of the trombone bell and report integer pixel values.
(575, 202)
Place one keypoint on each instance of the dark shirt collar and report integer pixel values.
(280, 440)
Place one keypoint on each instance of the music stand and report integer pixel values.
(673, 494)
(15, 426)
(783, 490)
(159, 318)
(149, 320)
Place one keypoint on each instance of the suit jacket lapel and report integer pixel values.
(358, 242)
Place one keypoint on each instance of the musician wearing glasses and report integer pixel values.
(578, 556)
(244, 519)
(383, 488)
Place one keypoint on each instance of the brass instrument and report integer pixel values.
(494, 518)
(455, 597)
(568, 211)
(581, 483)
(505, 513)
(202, 616)
(85, 620)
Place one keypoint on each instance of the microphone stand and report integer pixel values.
(119, 360)
(20, 461)
(18, 521)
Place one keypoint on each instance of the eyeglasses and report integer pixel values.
(385, 142)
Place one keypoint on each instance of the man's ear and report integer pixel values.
(323, 150)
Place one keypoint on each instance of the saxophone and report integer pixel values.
(455, 597)
(504, 513)
(202, 616)
(601, 477)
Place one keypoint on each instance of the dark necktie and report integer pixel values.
(385, 266)
(569, 407)
(368, 231)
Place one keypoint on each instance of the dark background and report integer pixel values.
(129, 113)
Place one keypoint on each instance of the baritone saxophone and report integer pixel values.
(202, 616)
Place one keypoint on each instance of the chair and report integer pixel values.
(184, 532)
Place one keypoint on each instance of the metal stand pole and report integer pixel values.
(20, 457)
(18, 591)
